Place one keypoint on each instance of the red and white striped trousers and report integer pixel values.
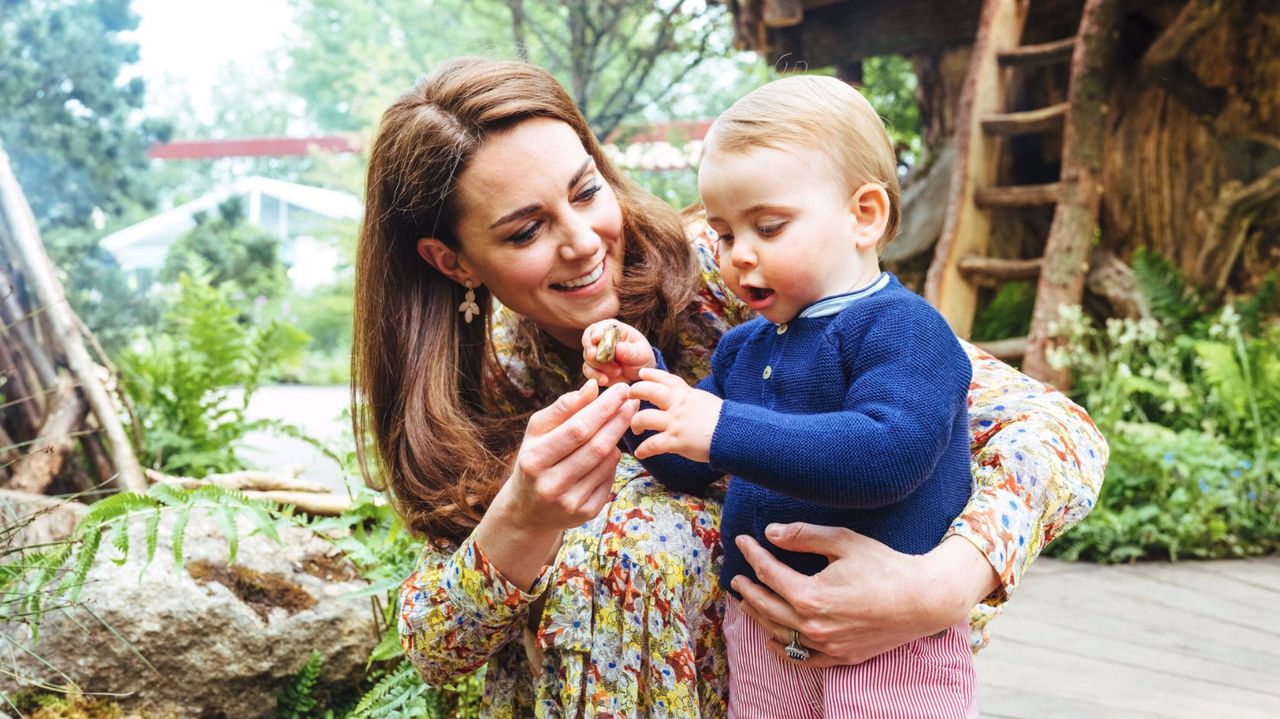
(929, 678)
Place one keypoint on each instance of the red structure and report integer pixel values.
(253, 147)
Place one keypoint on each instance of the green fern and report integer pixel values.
(296, 700)
(1263, 305)
(1174, 302)
(1008, 314)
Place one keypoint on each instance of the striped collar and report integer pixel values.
(836, 304)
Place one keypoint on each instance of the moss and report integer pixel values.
(260, 590)
(74, 706)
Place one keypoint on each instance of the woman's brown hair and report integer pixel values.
(418, 371)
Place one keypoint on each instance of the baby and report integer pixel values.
(842, 403)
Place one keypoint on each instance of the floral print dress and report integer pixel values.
(631, 622)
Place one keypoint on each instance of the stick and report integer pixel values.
(247, 480)
(16, 215)
(34, 472)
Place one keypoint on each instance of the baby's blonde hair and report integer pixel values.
(823, 114)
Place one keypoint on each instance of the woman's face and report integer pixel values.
(541, 228)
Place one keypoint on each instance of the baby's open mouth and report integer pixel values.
(758, 294)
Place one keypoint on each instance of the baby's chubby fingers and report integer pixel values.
(650, 420)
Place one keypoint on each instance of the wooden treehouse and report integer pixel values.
(1062, 135)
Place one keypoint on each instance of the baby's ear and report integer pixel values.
(869, 205)
(445, 260)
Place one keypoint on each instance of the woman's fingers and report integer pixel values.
(570, 469)
(565, 406)
(785, 582)
(576, 430)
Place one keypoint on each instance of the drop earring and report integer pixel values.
(469, 308)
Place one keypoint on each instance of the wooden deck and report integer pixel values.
(1190, 639)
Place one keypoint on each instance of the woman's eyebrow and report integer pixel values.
(530, 209)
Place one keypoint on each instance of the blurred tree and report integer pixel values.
(69, 122)
(618, 59)
(227, 251)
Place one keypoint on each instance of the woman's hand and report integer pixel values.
(562, 477)
(631, 351)
(868, 600)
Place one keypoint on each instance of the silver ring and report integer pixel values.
(795, 650)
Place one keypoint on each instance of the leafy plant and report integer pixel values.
(182, 378)
(1189, 400)
(296, 702)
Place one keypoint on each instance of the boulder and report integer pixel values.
(209, 639)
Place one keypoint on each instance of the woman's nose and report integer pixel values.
(580, 239)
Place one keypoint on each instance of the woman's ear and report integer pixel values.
(870, 208)
(446, 260)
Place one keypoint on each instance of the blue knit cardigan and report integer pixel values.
(853, 418)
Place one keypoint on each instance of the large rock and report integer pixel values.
(208, 640)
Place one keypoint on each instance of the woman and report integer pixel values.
(586, 588)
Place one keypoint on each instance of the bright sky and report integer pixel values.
(189, 40)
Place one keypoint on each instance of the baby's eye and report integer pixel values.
(771, 229)
(725, 238)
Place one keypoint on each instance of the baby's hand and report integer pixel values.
(614, 351)
(685, 418)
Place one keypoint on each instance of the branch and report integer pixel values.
(243, 481)
(1232, 215)
(20, 224)
(1163, 61)
(34, 472)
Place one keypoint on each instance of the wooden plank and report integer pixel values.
(1138, 608)
(1065, 678)
(1049, 53)
(1155, 650)
(967, 228)
(1000, 702)
(1017, 195)
(999, 269)
(1006, 349)
(1025, 122)
(1191, 575)
(1246, 570)
(1075, 221)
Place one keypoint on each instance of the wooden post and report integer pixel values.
(1075, 222)
(15, 215)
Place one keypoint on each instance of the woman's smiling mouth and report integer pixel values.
(580, 282)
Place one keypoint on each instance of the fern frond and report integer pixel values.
(296, 701)
(84, 562)
(1173, 301)
(180, 533)
(115, 506)
(120, 541)
(1222, 373)
(227, 518)
(379, 694)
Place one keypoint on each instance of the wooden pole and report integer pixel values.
(36, 471)
(16, 215)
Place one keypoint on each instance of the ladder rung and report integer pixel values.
(1023, 123)
(1044, 54)
(1011, 349)
(994, 268)
(1017, 195)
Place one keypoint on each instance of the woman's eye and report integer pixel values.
(587, 193)
(525, 234)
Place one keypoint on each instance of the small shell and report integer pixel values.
(608, 343)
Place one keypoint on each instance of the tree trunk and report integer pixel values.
(1191, 168)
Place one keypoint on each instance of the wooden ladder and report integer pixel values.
(961, 260)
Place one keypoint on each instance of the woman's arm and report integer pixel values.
(1038, 463)
(458, 608)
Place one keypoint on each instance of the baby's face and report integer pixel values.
(788, 230)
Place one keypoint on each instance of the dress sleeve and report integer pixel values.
(456, 610)
(1038, 463)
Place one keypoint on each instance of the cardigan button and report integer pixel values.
(782, 328)
(768, 371)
